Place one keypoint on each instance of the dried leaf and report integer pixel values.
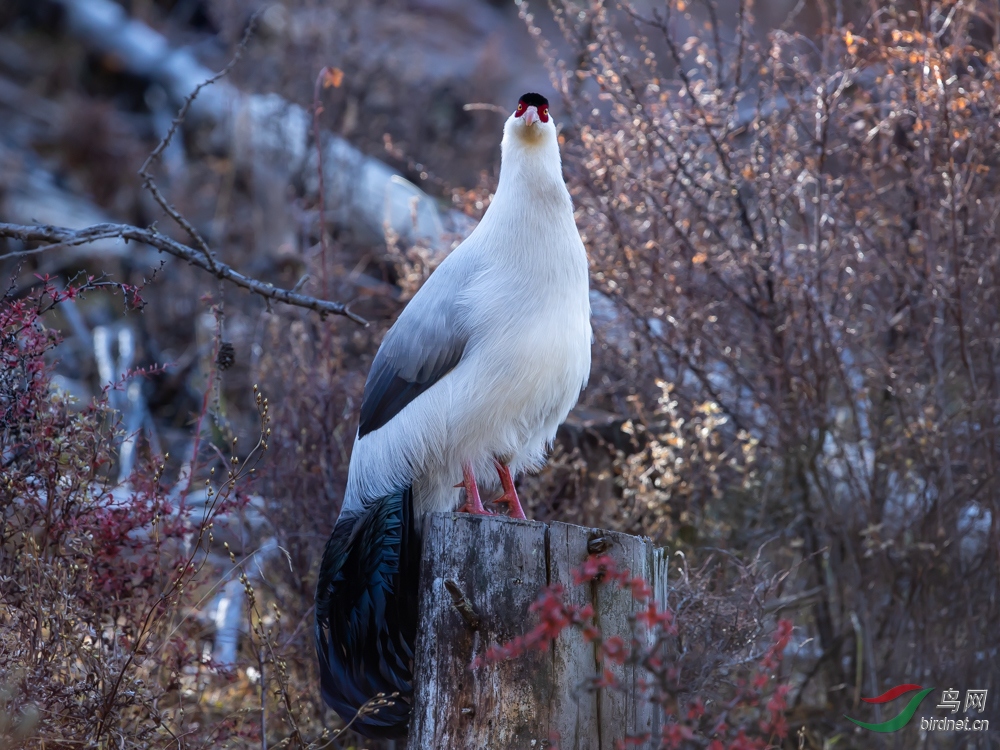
(333, 77)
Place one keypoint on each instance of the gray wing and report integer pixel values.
(423, 346)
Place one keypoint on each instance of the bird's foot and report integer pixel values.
(516, 511)
(475, 509)
(473, 503)
(509, 495)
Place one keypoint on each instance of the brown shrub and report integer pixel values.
(102, 630)
(803, 233)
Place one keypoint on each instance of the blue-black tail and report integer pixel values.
(366, 614)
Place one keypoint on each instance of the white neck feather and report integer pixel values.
(533, 165)
(531, 200)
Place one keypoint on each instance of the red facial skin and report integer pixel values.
(543, 111)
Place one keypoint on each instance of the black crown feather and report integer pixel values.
(534, 100)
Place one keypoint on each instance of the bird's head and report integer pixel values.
(529, 153)
(531, 124)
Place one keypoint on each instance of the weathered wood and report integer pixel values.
(486, 572)
(573, 704)
(625, 711)
(499, 570)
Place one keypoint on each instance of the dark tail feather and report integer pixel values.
(366, 614)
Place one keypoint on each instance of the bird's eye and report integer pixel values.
(520, 107)
(543, 113)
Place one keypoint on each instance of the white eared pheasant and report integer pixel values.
(466, 391)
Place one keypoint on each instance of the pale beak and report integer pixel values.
(530, 115)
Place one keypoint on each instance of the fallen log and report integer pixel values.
(265, 131)
(31, 194)
(479, 576)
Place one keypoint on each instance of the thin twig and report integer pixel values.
(33, 251)
(484, 107)
(263, 702)
(147, 178)
(64, 236)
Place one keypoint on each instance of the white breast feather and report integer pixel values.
(525, 298)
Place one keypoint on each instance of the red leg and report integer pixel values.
(509, 495)
(473, 503)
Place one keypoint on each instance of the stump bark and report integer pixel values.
(479, 576)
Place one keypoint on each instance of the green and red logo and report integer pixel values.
(904, 716)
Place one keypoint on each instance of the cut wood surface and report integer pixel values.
(479, 577)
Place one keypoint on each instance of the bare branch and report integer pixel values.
(249, 127)
(64, 237)
(484, 107)
(147, 178)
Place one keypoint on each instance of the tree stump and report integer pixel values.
(479, 575)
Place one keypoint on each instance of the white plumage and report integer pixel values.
(517, 287)
(474, 378)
